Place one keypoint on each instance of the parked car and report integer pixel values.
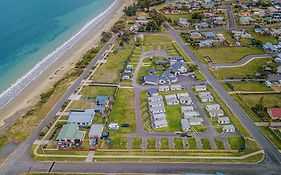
(113, 126)
(184, 135)
(125, 125)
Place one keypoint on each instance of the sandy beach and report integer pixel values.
(31, 94)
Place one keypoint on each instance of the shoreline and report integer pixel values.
(65, 61)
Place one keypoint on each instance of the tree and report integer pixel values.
(197, 15)
(105, 36)
(131, 10)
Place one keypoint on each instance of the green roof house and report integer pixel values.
(69, 136)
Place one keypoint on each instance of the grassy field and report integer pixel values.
(150, 143)
(110, 71)
(164, 143)
(137, 142)
(78, 105)
(176, 17)
(264, 38)
(178, 143)
(157, 39)
(206, 143)
(199, 75)
(123, 110)
(118, 142)
(225, 55)
(174, 116)
(247, 71)
(94, 91)
(219, 144)
(235, 142)
(269, 100)
(192, 143)
(250, 86)
(272, 136)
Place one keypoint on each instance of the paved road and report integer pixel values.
(22, 153)
(243, 61)
(271, 152)
(231, 21)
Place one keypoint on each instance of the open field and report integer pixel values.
(247, 71)
(176, 17)
(157, 39)
(249, 86)
(225, 55)
(269, 100)
(78, 105)
(111, 70)
(123, 111)
(174, 117)
(94, 91)
(264, 38)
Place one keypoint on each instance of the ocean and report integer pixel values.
(32, 29)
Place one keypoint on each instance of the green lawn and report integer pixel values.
(199, 75)
(219, 144)
(123, 110)
(269, 100)
(143, 71)
(150, 143)
(178, 142)
(192, 143)
(157, 39)
(235, 142)
(206, 143)
(174, 116)
(110, 71)
(247, 71)
(227, 54)
(176, 17)
(264, 38)
(94, 91)
(118, 142)
(78, 105)
(250, 86)
(137, 142)
(164, 143)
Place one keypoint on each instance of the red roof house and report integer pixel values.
(274, 113)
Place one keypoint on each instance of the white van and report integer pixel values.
(113, 126)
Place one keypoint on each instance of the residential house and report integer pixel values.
(183, 22)
(205, 99)
(206, 43)
(178, 68)
(223, 120)
(268, 47)
(183, 95)
(187, 108)
(160, 123)
(201, 25)
(167, 77)
(216, 113)
(278, 58)
(95, 133)
(195, 35)
(152, 71)
(69, 136)
(274, 113)
(173, 59)
(228, 128)
(190, 114)
(201, 94)
(210, 107)
(161, 116)
(126, 76)
(157, 110)
(246, 20)
(142, 20)
(151, 79)
(185, 100)
(155, 103)
(195, 121)
(103, 100)
(164, 88)
(185, 125)
(81, 118)
(171, 100)
(152, 92)
(155, 98)
(176, 87)
(200, 88)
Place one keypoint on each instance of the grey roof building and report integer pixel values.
(161, 116)
(176, 87)
(155, 103)
(152, 92)
(187, 108)
(228, 128)
(160, 123)
(190, 114)
(163, 88)
(212, 107)
(185, 100)
(82, 118)
(172, 101)
(200, 88)
(216, 113)
(185, 125)
(155, 98)
(96, 131)
(157, 110)
(151, 79)
(223, 120)
(193, 121)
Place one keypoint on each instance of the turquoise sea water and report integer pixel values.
(31, 29)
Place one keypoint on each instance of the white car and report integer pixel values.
(113, 126)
